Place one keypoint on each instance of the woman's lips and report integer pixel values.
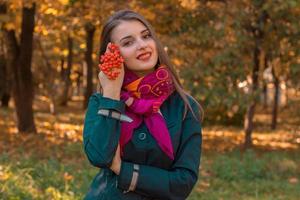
(144, 56)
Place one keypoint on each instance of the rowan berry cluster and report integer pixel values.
(111, 61)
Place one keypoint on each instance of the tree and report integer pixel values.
(4, 78)
(19, 56)
(90, 30)
(66, 74)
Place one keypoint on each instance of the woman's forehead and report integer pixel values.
(127, 28)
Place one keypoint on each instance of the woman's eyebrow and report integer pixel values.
(129, 36)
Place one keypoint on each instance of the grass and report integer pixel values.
(233, 175)
(249, 175)
(51, 164)
(30, 177)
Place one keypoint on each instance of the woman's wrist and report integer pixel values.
(111, 94)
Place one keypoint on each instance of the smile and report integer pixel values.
(144, 56)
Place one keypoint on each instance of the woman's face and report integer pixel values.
(136, 46)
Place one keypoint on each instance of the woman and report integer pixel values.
(143, 130)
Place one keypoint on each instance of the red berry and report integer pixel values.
(111, 60)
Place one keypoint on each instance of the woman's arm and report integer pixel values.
(176, 183)
(101, 133)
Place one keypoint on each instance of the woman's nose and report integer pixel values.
(141, 44)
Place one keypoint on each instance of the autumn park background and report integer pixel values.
(239, 58)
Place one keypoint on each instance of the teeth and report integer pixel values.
(144, 56)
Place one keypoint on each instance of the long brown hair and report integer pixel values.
(128, 15)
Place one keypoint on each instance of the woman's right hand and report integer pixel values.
(112, 88)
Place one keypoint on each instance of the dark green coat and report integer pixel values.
(159, 177)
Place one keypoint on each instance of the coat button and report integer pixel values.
(142, 136)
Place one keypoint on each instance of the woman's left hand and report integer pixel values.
(116, 163)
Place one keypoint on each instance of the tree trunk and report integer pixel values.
(62, 69)
(67, 73)
(286, 92)
(5, 77)
(78, 83)
(248, 123)
(90, 30)
(275, 102)
(48, 72)
(258, 37)
(265, 88)
(19, 62)
(265, 95)
(5, 100)
(4, 82)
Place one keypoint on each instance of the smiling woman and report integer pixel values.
(142, 129)
(136, 45)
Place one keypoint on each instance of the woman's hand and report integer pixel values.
(112, 88)
(116, 163)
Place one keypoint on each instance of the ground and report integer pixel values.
(51, 164)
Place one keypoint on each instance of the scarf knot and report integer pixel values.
(148, 93)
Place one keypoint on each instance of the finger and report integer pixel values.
(108, 47)
(101, 75)
(118, 150)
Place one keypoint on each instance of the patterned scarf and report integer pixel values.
(149, 92)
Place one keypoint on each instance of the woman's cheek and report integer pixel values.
(126, 52)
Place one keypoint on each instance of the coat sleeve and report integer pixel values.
(177, 182)
(101, 133)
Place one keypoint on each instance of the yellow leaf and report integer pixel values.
(189, 4)
(51, 11)
(94, 56)
(76, 20)
(36, 29)
(10, 26)
(56, 50)
(67, 176)
(181, 80)
(291, 53)
(82, 46)
(65, 52)
(177, 62)
(64, 2)
(4, 175)
(45, 32)
(73, 77)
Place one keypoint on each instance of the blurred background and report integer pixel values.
(239, 58)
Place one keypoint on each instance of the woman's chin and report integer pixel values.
(147, 64)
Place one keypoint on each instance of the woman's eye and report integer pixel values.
(147, 36)
(127, 43)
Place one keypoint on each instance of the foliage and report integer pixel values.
(209, 42)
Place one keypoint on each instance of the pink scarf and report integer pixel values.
(149, 92)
